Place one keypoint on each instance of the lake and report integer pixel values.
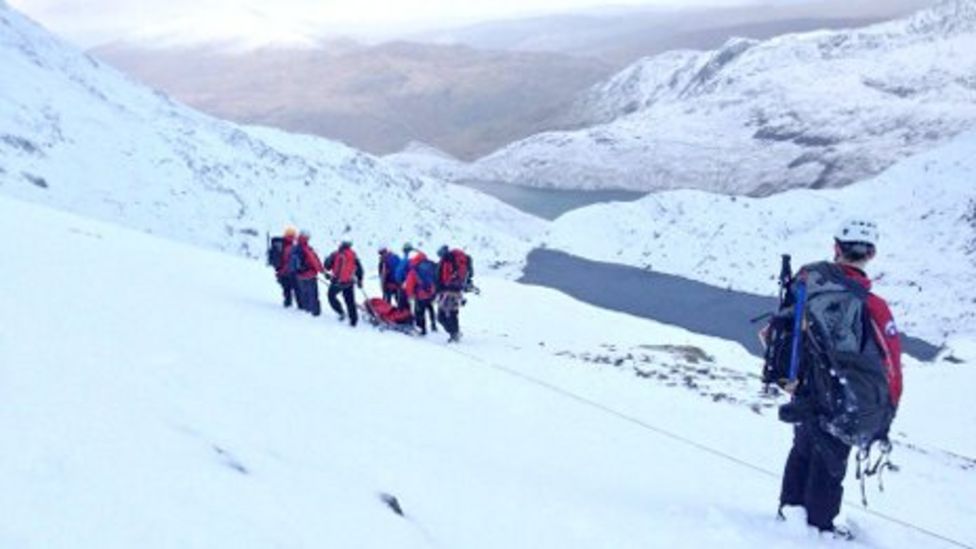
(670, 299)
(549, 203)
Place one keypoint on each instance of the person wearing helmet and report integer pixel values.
(815, 468)
(388, 264)
(305, 266)
(345, 272)
(421, 287)
(279, 249)
(453, 278)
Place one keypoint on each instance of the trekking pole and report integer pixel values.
(785, 277)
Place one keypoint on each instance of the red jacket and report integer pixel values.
(885, 333)
(285, 251)
(412, 284)
(314, 264)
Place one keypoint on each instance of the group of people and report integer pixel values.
(833, 346)
(414, 278)
(408, 281)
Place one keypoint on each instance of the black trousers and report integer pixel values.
(814, 474)
(307, 292)
(389, 294)
(450, 321)
(448, 307)
(289, 288)
(349, 296)
(421, 309)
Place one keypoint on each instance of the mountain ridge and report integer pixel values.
(760, 117)
(76, 134)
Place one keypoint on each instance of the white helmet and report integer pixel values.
(857, 229)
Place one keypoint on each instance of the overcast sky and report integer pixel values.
(89, 22)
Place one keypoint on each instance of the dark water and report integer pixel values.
(665, 298)
(549, 203)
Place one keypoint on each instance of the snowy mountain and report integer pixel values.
(926, 207)
(428, 160)
(167, 404)
(821, 109)
(78, 135)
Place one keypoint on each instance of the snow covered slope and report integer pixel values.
(926, 206)
(822, 109)
(173, 403)
(78, 135)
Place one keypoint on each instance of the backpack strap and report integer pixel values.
(834, 273)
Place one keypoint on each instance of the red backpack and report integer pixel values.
(344, 266)
(461, 265)
(454, 270)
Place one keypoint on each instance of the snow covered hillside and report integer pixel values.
(428, 160)
(78, 135)
(821, 109)
(174, 403)
(926, 206)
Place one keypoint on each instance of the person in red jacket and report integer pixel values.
(345, 272)
(287, 280)
(454, 273)
(421, 287)
(306, 266)
(815, 469)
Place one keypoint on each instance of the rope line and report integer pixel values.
(697, 445)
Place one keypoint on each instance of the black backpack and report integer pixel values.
(276, 249)
(842, 379)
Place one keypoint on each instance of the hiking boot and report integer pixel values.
(788, 512)
(341, 317)
(838, 532)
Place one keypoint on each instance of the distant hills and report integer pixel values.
(467, 91)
